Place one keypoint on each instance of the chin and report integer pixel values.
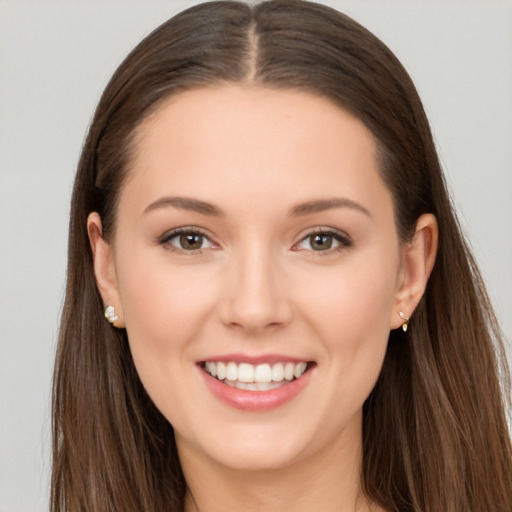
(257, 457)
(262, 447)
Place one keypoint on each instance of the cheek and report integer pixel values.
(354, 301)
(351, 315)
(165, 310)
(165, 306)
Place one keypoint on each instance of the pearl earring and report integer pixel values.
(405, 325)
(110, 314)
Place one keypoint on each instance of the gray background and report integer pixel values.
(55, 58)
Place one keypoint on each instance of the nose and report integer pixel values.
(255, 296)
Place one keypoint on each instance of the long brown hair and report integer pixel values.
(435, 434)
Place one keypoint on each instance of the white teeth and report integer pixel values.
(221, 370)
(252, 386)
(211, 368)
(261, 377)
(278, 372)
(265, 386)
(236, 384)
(288, 371)
(299, 370)
(263, 373)
(232, 371)
(245, 372)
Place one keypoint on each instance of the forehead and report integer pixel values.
(253, 141)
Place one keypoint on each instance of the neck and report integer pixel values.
(329, 481)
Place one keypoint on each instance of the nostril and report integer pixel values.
(238, 314)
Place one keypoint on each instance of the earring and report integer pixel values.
(405, 325)
(110, 314)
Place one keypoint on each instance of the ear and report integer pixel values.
(104, 268)
(418, 258)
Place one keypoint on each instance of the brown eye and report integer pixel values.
(321, 241)
(324, 241)
(186, 241)
(191, 241)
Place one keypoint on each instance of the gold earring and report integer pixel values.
(405, 325)
(110, 314)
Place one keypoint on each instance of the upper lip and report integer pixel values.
(254, 360)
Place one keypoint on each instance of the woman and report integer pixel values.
(269, 301)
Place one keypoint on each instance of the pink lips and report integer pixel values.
(256, 401)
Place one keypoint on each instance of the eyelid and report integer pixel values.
(172, 233)
(340, 236)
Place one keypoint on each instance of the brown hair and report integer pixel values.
(435, 434)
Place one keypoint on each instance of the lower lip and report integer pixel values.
(256, 401)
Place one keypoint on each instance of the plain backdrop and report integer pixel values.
(56, 57)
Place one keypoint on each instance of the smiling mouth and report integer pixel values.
(261, 377)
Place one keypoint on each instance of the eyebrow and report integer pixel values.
(186, 203)
(302, 209)
(321, 205)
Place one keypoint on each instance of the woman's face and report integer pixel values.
(255, 239)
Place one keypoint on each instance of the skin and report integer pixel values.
(258, 286)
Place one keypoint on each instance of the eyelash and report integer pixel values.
(167, 237)
(341, 238)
